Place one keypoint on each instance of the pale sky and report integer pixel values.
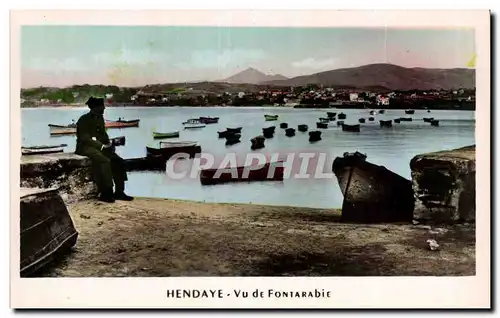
(139, 55)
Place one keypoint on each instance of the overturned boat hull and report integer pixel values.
(372, 193)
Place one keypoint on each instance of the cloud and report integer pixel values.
(313, 63)
(211, 59)
(53, 64)
(131, 57)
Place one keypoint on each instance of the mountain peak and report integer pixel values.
(253, 76)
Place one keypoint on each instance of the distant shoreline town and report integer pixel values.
(370, 86)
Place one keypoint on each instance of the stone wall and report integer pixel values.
(68, 172)
(444, 185)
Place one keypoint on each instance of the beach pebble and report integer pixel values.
(100, 223)
(85, 216)
(433, 245)
(425, 227)
(415, 222)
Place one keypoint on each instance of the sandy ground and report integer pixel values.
(158, 237)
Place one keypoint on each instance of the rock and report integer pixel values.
(415, 222)
(444, 185)
(100, 223)
(438, 231)
(84, 216)
(433, 245)
(70, 173)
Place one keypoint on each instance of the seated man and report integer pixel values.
(93, 142)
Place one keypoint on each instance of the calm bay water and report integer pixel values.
(391, 147)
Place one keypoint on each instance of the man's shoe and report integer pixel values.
(105, 197)
(123, 197)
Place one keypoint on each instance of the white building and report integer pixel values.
(353, 97)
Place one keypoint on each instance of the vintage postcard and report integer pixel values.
(250, 159)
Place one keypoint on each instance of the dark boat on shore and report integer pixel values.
(405, 119)
(302, 128)
(386, 123)
(314, 135)
(284, 125)
(321, 125)
(290, 132)
(397, 120)
(257, 142)
(371, 118)
(46, 229)
(342, 116)
(209, 120)
(331, 114)
(168, 149)
(409, 111)
(434, 122)
(42, 150)
(428, 119)
(234, 130)
(351, 128)
(372, 193)
(362, 120)
(272, 171)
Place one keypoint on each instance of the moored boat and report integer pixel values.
(428, 119)
(268, 132)
(340, 123)
(371, 118)
(302, 128)
(409, 111)
(351, 128)
(209, 120)
(372, 193)
(271, 171)
(405, 119)
(386, 123)
(62, 130)
(193, 124)
(290, 132)
(321, 125)
(342, 116)
(271, 117)
(381, 111)
(372, 112)
(284, 125)
(160, 135)
(168, 149)
(434, 122)
(41, 150)
(362, 120)
(225, 133)
(397, 120)
(234, 130)
(314, 135)
(331, 114)
(233, 139)
(120, 123)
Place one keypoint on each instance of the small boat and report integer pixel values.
(46, 229)
(118, 141)
(120, 123)
(428, 110)
(351, 128)
(257, 142)
(284, 125)
(59, 130)
(371, 118)
(271, 117)
(290, 132)
(405, 119)
(362, 120)
(331, 114)
(193, 124)
(234, 130)
(372, 193)
(386, 123)
(434, 122)
(42, 150)
(168, 149)
(268, 132)
(409, 111)
(224, 134)
(209, 120)
(372, 112)
(428, 119)
(321, 125)
(271, 171)
(340, 123)
(381, 111)
(324, 119)
(314, 136)
(159, 135)
(302, 128)
(397, 120)
(342, 116)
